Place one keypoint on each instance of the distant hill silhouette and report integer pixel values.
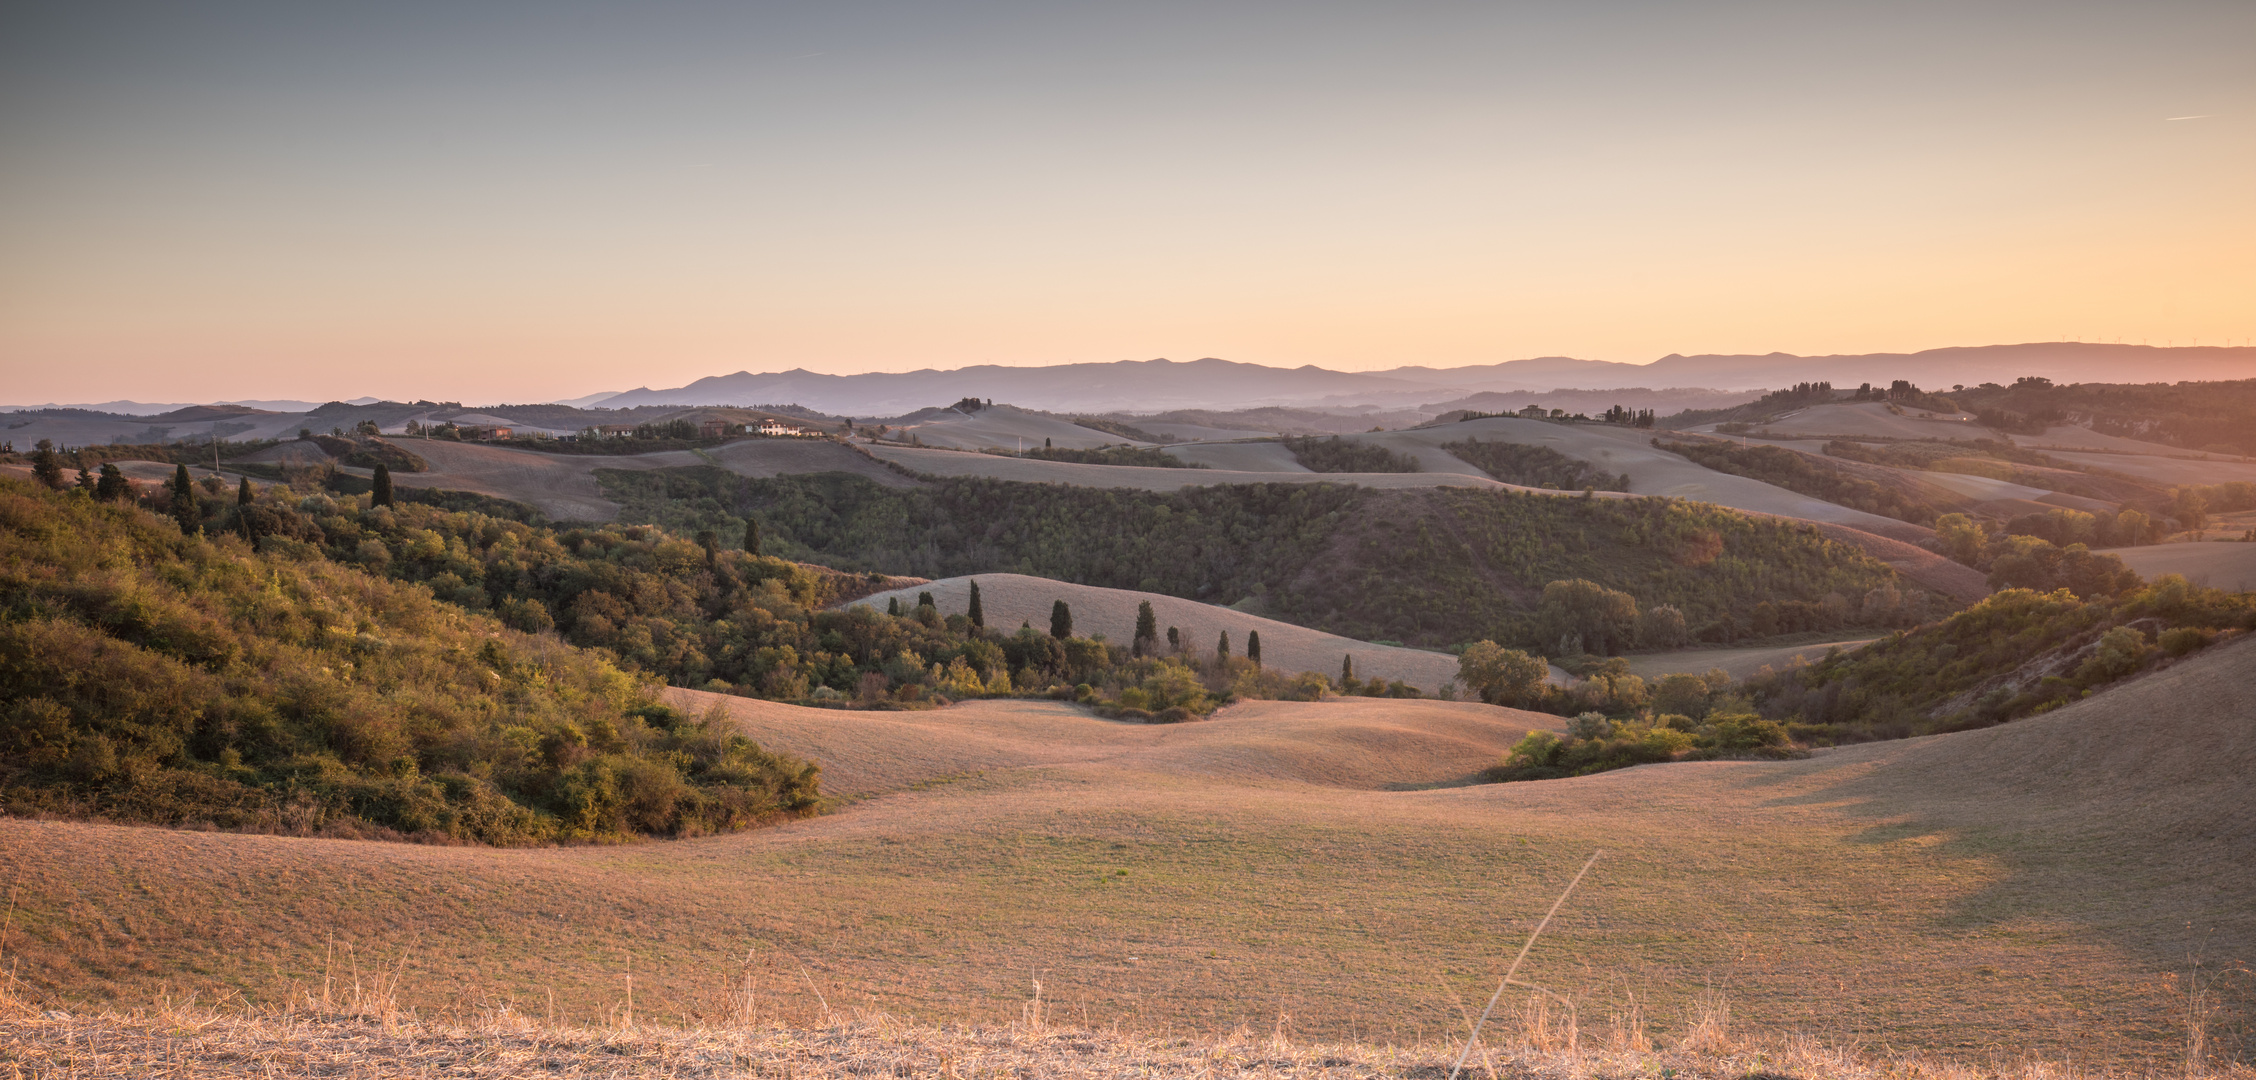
(1159, 385)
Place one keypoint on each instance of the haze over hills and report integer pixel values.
(1157, 385)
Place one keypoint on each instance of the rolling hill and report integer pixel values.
(2026, 889)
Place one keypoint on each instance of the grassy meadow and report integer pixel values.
(2041, 888)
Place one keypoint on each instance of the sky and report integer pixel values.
(525, 201)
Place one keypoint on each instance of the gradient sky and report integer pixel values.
(517, 201)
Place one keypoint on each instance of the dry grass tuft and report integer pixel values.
(184, 1043)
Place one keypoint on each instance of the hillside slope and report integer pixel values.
(1010, 599)
(2024, 889)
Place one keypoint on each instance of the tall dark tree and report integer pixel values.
(45, 467)
(978, 614)
(1174, 640)
(381, 494)
(243, 493)
(892, 605)
(751, 536)
(924, 599)
(1347, 667)
(711, 542)
(85, 480)
(184, 502)
(112, 485)
(1253, 646)
(1147, 629)
(1222, 645)
(1061, 620)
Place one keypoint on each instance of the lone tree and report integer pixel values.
(112, 485)
(1061, 620)
(1147, 630)
(978, 614)
(1222, 646)
(1253, 647)
(1347, 667)
(243, 493)
(184, 502)
(48, 470)
(711, 542)
(1174, 640)
(381, 495)
(751, 536)
(892, 605)
(1499, 675)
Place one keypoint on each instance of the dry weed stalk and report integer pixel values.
(1514, 970)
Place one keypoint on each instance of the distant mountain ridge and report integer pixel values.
(1161, 385)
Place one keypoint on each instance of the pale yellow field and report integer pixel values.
(2224, 565)
(2029, 889)
(1873, 419)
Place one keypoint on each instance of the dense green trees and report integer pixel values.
(1335, 455)
(1497, 675)
(149, 676)
(1536, 466)
(45, 466)
(1430, 566)
(1144, 456)
(2018, 652)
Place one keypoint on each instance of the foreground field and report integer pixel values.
(2039, 888)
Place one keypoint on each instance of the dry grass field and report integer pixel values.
(1009, 428)
(2162, 469)
(951, 463)
(2223, 564)
(2045, 888)
(1872, 419)
(563, 486)
(1010, 599)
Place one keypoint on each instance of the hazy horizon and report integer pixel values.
(247, 200)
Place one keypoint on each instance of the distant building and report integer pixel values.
(483, 432)
(1536, 411)
(714, 429)
(778, 427)
(615, 431)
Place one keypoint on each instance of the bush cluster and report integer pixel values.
(1336, 455)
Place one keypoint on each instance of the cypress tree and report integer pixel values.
(924, 599)
(1253, 646)
(1347, 667)
(112, 485)
(184, 502)
(48, 470)
(978, 614)
(712, 545)
(1147, 628)
(244, 494)
(85, 480)
(1061, 620)
(893, 605)
(1222, 646)
(1174, 640)
(752, 537)
(381, 495)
